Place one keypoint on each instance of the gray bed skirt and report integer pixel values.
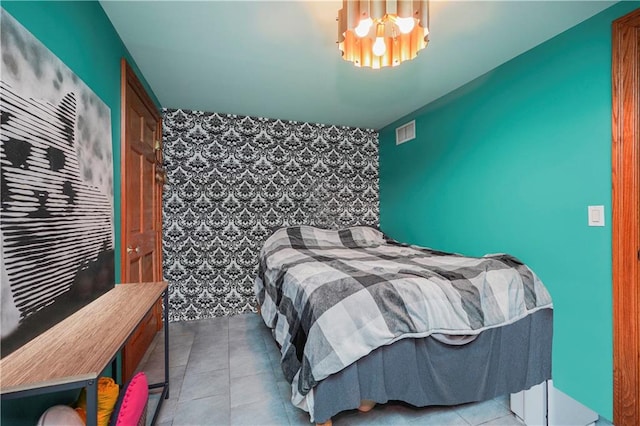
(425, 372)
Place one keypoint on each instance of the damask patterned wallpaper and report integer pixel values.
(233, 180)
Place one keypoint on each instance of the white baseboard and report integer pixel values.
(544, 405)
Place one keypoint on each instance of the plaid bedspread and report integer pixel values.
(331, 297)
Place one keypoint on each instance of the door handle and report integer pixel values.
(131, 250)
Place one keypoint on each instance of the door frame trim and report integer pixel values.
(129, 79)
(626, 218)
(124, 71)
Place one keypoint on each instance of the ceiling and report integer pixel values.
(279, 59)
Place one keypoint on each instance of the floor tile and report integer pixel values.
(284, 389)
(257, 331)
(217, 332)
(176, 378)
(274, 356)
(503, 400)
(250, 389)
(167, 410)
(266, 412)
(210, 342)
(179, 356)
(210, 324)
(212, 359)
(479, 412)
(213, 410)
(181, 340)
(150, 351)
(249, 365)
(508, 420)
(202, 348)
(244, 347)
(204, 384)
(246, 321)
(180, 327)
(155, 361)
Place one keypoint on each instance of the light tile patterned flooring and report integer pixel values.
(225, 371)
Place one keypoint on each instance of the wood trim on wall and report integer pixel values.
(124, 67)
(132, 79)
(138, 151)
(626, 219)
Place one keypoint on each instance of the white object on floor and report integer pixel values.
(531, 405)
(60, 415)
(544, 405)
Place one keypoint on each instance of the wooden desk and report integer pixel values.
(73, 353)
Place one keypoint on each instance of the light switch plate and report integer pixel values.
(596, 215)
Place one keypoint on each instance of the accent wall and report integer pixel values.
(509, 163)
(81, 36)
(232, 180)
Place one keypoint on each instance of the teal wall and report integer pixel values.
(509, 163)
(81, 35)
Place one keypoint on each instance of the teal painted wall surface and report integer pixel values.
(509, 163)
(81, 35)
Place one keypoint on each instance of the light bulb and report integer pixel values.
(363, 27)
(379, 47)
(405, 25)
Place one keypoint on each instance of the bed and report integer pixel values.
(361, 317)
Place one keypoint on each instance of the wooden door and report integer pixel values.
(142, 178)
(626, 219)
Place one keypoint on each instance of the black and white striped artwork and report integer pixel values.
(56, 189)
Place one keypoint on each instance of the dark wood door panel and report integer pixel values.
(134, 271)
(133, 189)
(141, 204)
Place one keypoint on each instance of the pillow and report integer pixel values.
(131, 408)
(305, 235)
(107, 396)
(60, 415)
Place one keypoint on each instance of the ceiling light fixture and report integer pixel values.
(382, 33)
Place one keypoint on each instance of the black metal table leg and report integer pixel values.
(92, 402)
(166, 341)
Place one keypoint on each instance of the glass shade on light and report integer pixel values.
(363, 27)
(401, 31)
(405, 25)
(379, 47)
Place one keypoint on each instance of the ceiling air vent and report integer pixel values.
(406, 132)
